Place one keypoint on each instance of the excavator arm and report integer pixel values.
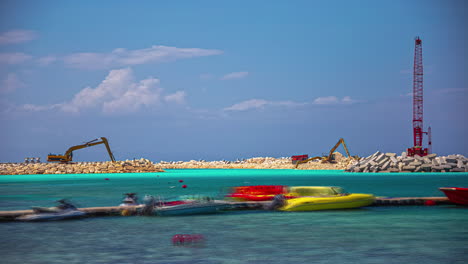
(341, 141)
(307, 160)
(68, 156)
(328, 158)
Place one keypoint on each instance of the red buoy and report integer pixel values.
(106, 179)
(181, 181)
(429, 202)
(187, 239)
(184, 186)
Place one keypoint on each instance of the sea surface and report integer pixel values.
(394, 234)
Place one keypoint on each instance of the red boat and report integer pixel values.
(256, 193)
(458, 195)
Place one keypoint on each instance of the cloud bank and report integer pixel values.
(17, 36)
(123, 57)
(14, 58)
(261, 103)
(117, 93)
(235, 75)
(330, 100)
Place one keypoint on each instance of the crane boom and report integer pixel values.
(418, 102)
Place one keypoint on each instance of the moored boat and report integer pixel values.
(131, 199)
(62, 215)
(313, 198)
(64, 210)
(256, 192)
(191, 208)
(457, 195)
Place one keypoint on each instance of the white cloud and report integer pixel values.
(47, 60)
(135, 97)
(37, 108)
(249, 104)
(113, 86)
(326, 100)
(260, 103)
(117, 93)
(11, 83)
(330, 100)
(122, 57)
(177, 97)
(17, 36)
(348, 100)
(289, 103)
(235, 75)
(14, 58)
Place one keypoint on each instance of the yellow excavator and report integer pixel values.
(330, 158)
(68, 156)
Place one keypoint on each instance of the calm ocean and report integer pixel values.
(396, 234)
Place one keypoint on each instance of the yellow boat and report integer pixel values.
(312, 198)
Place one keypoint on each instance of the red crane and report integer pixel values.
(418, 105)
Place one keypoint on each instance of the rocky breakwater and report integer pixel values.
(257, 163)
(390, 162)
(253, 163)
(128, 166)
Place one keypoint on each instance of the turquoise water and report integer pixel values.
(397, 234)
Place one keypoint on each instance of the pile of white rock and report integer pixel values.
(252, 163)
(258, 163)
(390, 162)
(128, 166)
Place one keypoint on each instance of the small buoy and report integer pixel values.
(181, 181)
(187, 239)
(106, 179)
(184, 186)
(429, 202)
(125, 212)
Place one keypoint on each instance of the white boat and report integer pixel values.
(130, 199)
(52, 216)
(64, 210)
(191, 208)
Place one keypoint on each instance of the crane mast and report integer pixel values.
(418, 104)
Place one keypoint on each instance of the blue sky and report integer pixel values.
(181, 80)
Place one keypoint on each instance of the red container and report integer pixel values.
(297, 158)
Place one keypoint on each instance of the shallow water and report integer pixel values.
(428, 234)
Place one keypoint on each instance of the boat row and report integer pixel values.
(273, 197)
(302, 198)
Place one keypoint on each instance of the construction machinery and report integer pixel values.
(68, 156)
(330, 158)
(418, 105)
